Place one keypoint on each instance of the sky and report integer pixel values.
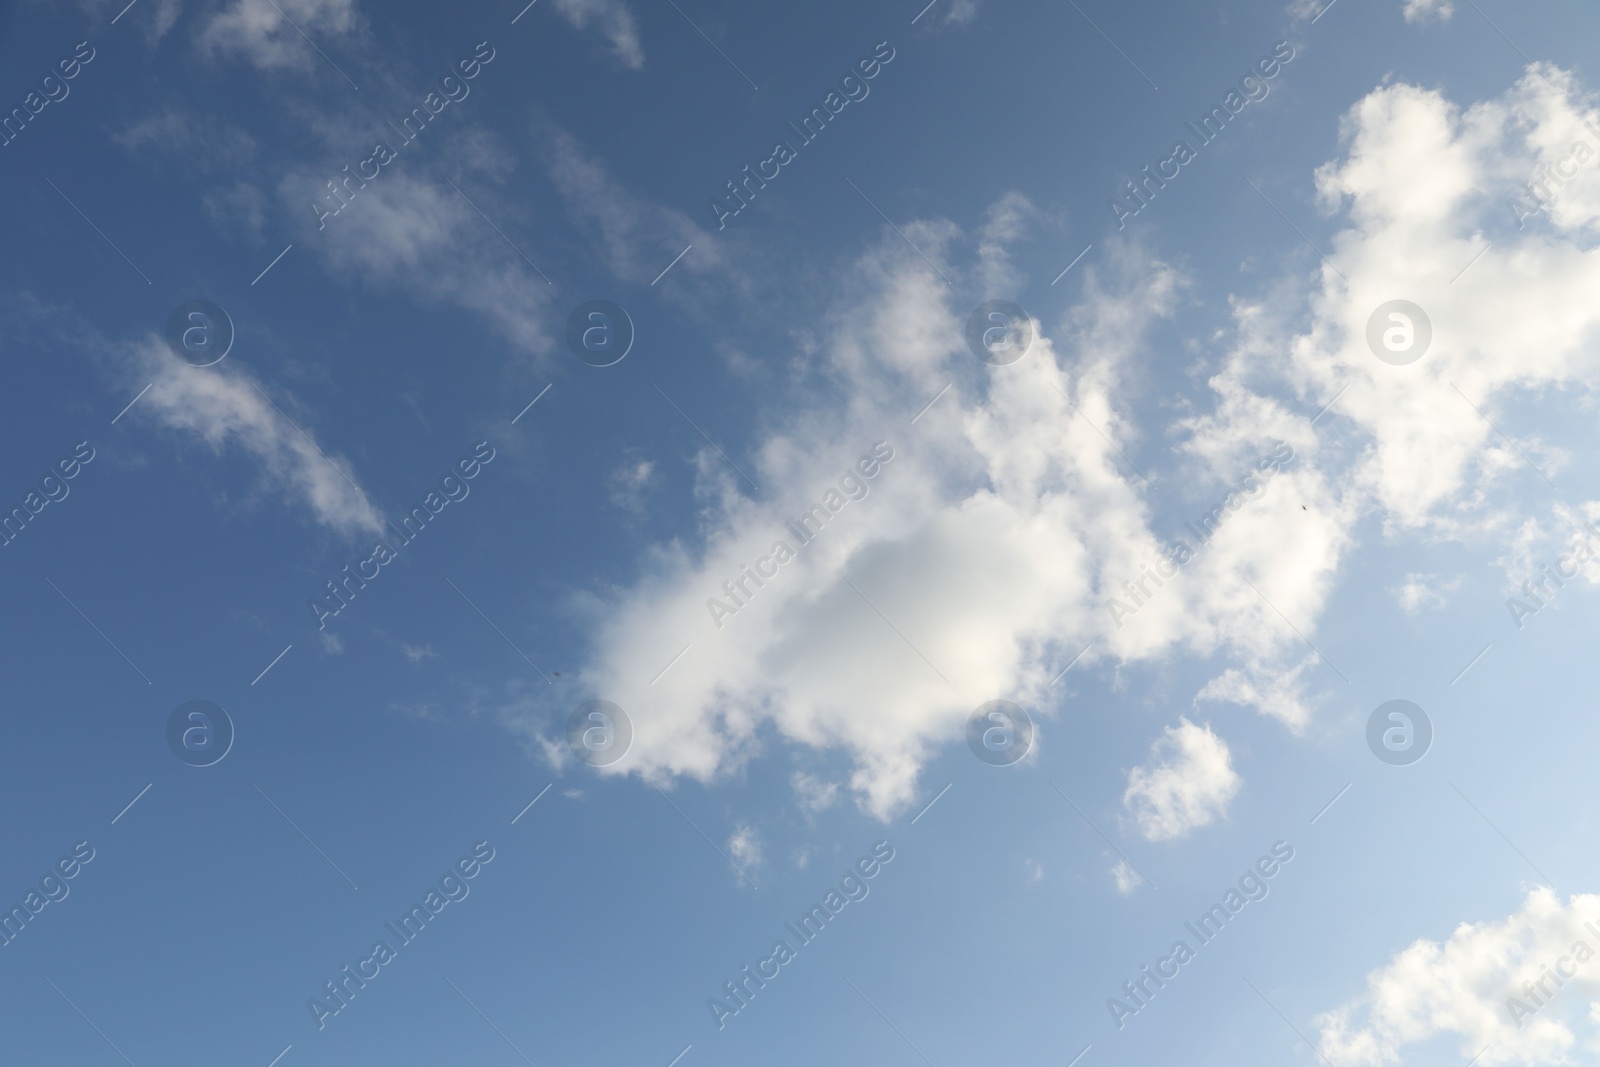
(598, 531)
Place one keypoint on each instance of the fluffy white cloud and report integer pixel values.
(224, 405)
(1483, 985)
(615, 21)
(1187, 783)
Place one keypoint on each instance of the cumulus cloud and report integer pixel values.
(223, 405)
(1493, 985)
(614, 20)
(814, 793)
(1187, 783)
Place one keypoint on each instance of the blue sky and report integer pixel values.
(172, 527)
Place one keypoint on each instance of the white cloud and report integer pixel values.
(1273, 692)
(627, 481)
(1466, 986)
(1126, 878)
(1187, 783)
(1035, 870)
(615, 21)
(223, 405)
(256, 30)
(815, 794)
(744, 845)
(1425, 592)
(1425, 10)
(417, 654)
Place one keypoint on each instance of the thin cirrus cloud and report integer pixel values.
(271, 39)
(615, 22)
(224, 408)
